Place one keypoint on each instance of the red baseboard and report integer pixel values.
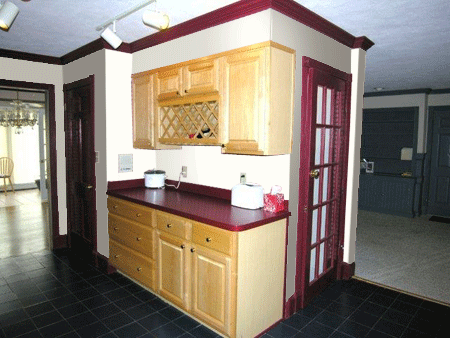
(102, 263)
(60, 242)
(290, 307)
(347, 270)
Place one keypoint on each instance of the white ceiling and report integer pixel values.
(412, 37)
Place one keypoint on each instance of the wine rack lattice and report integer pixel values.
(190, 122)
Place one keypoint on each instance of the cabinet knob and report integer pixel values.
(138, 215)
(178, 93)
(192, 249)
(117, 256)
(182, 246)
(114, 206)
(208, 239)
(186, 91)
(169, 225)
(116, 228)
(138, 238)
(139, 269)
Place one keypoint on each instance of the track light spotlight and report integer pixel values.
(157, 20)
(8, 13)
(111, 38)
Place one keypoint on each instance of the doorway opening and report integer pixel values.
(29, 214)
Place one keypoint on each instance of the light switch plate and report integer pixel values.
(125, 163)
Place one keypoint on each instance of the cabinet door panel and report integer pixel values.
(201, 77)
(172, 270)
(212, 288)
(168, 83)
(245, 100)
(142, 112)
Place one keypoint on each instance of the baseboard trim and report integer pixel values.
(290, 306)
(60, 242)
(347, 270)
(102, 263)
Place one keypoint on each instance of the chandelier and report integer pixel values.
(19, 115)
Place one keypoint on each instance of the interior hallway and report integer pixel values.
(410, 254)
(23, 223)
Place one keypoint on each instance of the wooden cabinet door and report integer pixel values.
(212, 288)
(172, 269)
(169, 83)
(201, 77)
(142, 112)
(244, 100)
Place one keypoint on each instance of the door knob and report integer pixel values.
(314, 174)
(88, 186)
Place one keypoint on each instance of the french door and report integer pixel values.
(323, 176)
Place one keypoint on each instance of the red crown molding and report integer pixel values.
(90, 48)
(29, 57)
(220, 16)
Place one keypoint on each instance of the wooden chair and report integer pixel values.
(6, 169)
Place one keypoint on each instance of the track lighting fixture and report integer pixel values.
(153, 19)
(111, 37)
(8, 12)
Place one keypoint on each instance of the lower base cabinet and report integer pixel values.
(232, 282)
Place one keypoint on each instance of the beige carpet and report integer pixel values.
(411, 254)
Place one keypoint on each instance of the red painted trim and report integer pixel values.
(29, 57)
(290, 306)
(90, 48)
(347, 270)
(269, 328)
(285, 265)
(102, 263)
(60, 242)
(205, 190)
(117, 185)
(50, 89)
(220, 16)
(311, 63)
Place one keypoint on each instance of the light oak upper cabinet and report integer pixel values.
(144, 113)
(258, 99)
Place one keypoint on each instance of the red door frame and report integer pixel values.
(59, 241)
(308, 143)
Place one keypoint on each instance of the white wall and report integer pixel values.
(20, 70)
(410, 100)
(438, 100)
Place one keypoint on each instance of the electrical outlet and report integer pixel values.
(184, 171)
(243, 178)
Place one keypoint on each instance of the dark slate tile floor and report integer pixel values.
(50, 294)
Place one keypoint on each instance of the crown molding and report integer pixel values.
(234, 11)
(400, 92)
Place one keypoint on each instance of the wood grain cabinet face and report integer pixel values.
(142, 90)
(258, 96)
(212, 294)
(201, 77)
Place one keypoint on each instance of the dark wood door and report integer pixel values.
(439, 191)
(80, 167)
(323, 176)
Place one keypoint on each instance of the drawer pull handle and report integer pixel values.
(182, 246)
(139, 269)
(192, 249)
(116, 228)
(169, 225)
(138, 238)
(117, 256)
(115, 207)
(208, 239)
(138, 215)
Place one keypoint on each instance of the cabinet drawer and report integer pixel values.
(174, 225)
(132, 264)
(129, 233)
(132, 211)
(213, 238)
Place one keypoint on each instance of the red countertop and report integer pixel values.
(206, 209)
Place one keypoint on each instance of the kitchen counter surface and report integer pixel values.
(210, 210)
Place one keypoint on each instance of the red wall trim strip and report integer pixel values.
(347, 270)
(29, 57)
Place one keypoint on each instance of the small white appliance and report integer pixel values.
(154, 178)
(247, 196)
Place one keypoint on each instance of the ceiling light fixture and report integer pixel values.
(8, 12)
(111, 37)
(154, 19)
